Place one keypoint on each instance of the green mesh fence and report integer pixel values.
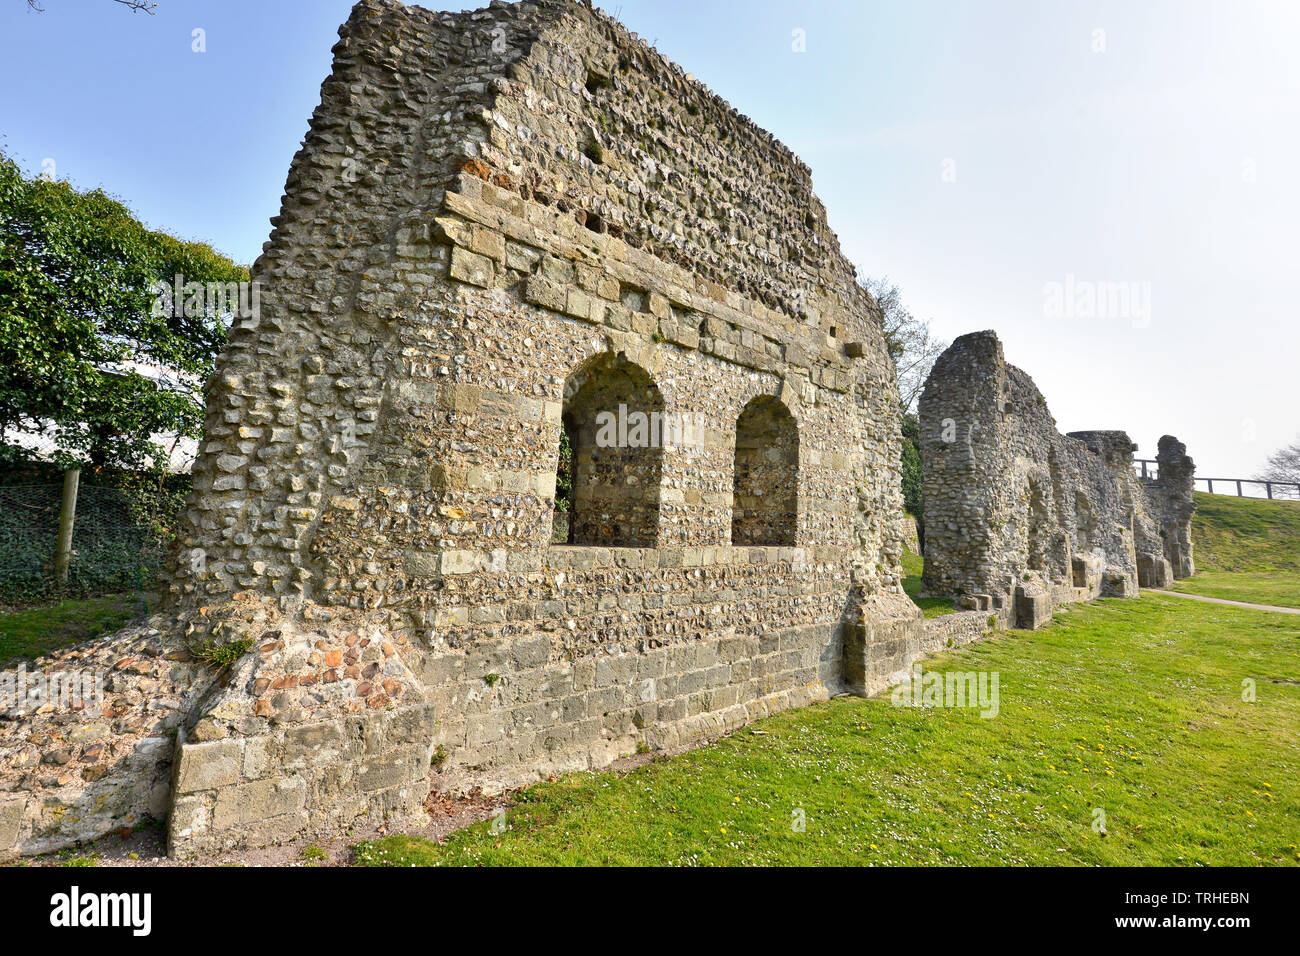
(114, 548)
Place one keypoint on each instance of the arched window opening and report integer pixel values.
(765, 490)
(611, 427)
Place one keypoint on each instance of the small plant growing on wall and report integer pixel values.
(220, 655)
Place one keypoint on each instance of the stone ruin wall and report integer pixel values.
(1170, 496)
(491, 212)
(500, 223)
(1021, 516)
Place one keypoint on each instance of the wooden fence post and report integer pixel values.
(67, 518)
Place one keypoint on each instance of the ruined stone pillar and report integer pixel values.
(1173, 491)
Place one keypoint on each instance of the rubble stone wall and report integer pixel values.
(1016, 511)
(502, 223)
(1170, 494)
(87, 736)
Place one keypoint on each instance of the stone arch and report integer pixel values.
(613, 421)
(765, 479)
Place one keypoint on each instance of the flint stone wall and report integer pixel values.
(1019, 515)
(489, 210)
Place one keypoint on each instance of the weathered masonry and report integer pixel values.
(509, 230)
(1019, 516)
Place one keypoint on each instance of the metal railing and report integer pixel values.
(1149, 468)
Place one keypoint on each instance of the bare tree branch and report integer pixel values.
(908, 339)
(1283, 465)
(135, 6)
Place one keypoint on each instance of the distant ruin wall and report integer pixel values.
(1014, 510)
(1170, 495)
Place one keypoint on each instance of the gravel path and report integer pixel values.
(1210, 600)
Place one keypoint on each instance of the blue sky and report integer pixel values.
(983, 156)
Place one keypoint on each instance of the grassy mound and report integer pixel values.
(1246, 534)
(913, 564)
(1246, 549)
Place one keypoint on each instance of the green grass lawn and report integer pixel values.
(1246, 549)
(34, 631)
(1129, 707)
(930, 606)
(1246, 534)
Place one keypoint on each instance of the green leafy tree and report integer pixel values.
(93, 360)
(912, 473)
(564, 473)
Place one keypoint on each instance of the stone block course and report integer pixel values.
(12, 810)
(208, 766)
(1032, 606)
